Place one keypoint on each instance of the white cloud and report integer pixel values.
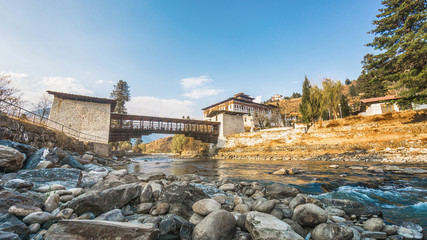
(105, 82)
(33, 88)
(258, 99)
(198, 87)
(152, 106)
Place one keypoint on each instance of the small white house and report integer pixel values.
(378, 105)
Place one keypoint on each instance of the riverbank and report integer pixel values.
(393, 137)
(60, 196)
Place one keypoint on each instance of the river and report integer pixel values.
(400, 197)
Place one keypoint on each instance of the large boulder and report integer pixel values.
(206, 206)
(277, 191)
(106, 200)
(42, 154)
(37, 217)
(176, 226)
(326, 231)
(352, 207)
(266, 226)
(70, 178)
(309, 215)
(23, 148)
(218, 225)
(11, 160)
(373, 224)
(181, 199)
(93, 229)
(11, 198)
(23, 210)
(9, 223)
(71, 161)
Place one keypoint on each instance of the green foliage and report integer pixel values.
(352, 91)
(400, 37)
(345, 108)
(121, 94)
(347, 82)
(305, 101)
(296, 95)
(142, 147)
(331, 96)
(315, 107)
(178, 142)
(125, 146)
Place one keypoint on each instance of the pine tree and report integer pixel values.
(121, 94)
(305, 101)
(400, 36)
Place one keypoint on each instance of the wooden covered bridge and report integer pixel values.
(123, 127)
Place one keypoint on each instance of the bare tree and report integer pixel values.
(260, 118)
(275, 117)
(43, 106)
(7, 93)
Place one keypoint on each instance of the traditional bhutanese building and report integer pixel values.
(276, 97)
(241, 104)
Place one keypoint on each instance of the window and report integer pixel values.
(385, 108)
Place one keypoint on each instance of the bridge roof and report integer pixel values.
(69, 96)
(160, 119)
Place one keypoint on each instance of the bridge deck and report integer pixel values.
(123, 127)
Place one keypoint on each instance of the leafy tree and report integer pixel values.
(370, 86)
(331, 96)
(315, 107)
(347, 82)
(178, 142)
(305, 101)
(121, 94)
(345, 108)
(352, 91)
(143, 147)
(400, 37)
(296, 95)
(8, 93)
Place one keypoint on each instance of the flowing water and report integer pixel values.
(400, 197)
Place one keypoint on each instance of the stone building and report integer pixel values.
(239, 104)
(83, 117)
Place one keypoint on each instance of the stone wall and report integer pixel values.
(37, 136)
(246, 139)
(87, 117)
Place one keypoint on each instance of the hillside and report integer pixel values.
(191, 147)
(400, 136)
(162, 145)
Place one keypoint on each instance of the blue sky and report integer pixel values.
(181, 56)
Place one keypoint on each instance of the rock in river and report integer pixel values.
(326, 231)
(93, 229)
(205, 206)
(100, 202)
(219, 225)
(181, 199)
(69, 178)
(266, 226)
(11, 160)
(10, 198)
(309, 215)
(10, 223)
(278, 191)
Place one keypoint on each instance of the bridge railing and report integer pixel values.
(25, 115)
(162, 126)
